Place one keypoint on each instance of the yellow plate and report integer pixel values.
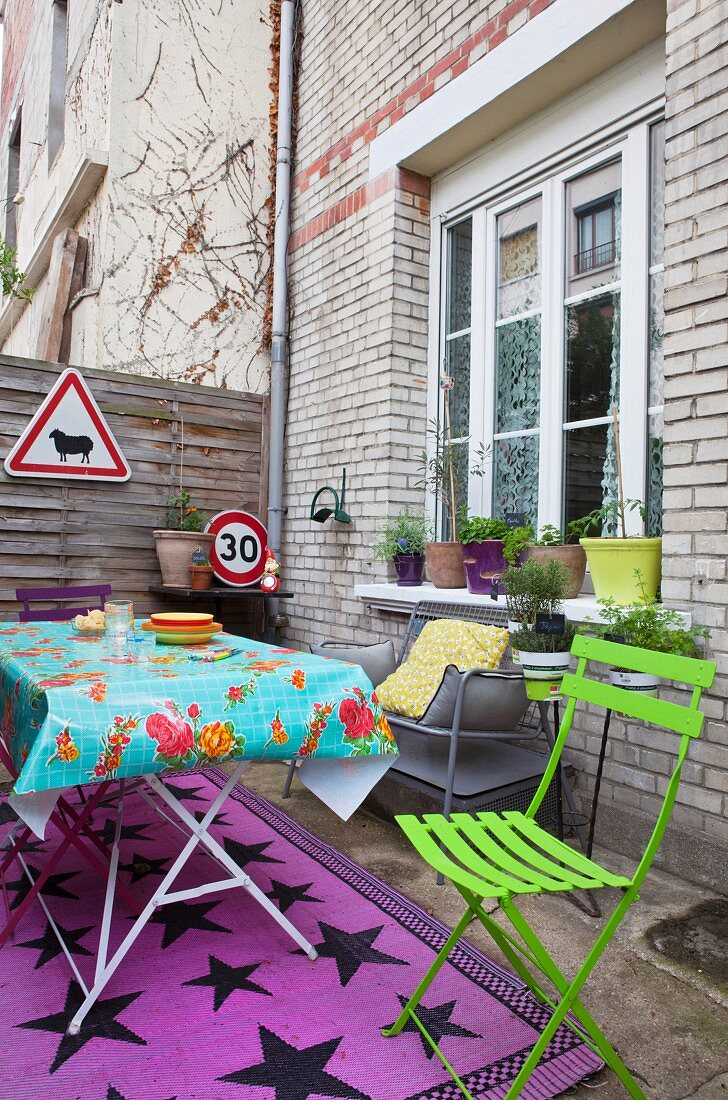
(170, 638)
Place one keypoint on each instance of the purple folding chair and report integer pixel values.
(91, 596)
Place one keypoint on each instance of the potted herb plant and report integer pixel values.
(183, 531)
(489, 546)
(402, 540)
(542, 640)
(648, 625)
(616, 560)
(551, 545)
(200, 570)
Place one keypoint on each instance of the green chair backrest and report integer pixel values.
(684, 720)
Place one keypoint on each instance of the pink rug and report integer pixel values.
(215, 1003)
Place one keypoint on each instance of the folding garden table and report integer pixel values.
(73, 714)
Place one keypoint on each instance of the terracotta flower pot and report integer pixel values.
(174, 549)
(572, 556)
(445, 564)
(200, 577)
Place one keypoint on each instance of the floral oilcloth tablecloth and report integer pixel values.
(71, 712)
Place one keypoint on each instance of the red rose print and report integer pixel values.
(173, 735)
(100, 769)
(193, 711)
(235, 693)
(357, 719)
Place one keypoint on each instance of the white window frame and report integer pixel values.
(631, 144)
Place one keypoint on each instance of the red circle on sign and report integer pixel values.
(238, 553)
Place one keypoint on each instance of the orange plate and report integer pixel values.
(180, 618)
(203, 628)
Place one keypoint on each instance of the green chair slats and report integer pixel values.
(503, 856)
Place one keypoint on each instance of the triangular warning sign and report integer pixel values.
(68, 437)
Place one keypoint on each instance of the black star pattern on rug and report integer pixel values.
(52, 887)
(50, 947)
(225, 979)
(286, 895)
(141, 866)
(101, 1023)
(352, 949)
(114, 1094)
(437, 1021)
(243, 854)
(7, 813)
(128, 832)
(182, 916)
(294, 1074)
(218, 819)
(184, 794)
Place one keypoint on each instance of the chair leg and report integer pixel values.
(289, 779)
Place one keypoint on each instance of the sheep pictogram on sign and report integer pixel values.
(71, 445)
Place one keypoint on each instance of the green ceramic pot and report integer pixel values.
(613, 564)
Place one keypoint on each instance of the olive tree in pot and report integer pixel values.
(648, 625)
(402, 540)
(542, 640)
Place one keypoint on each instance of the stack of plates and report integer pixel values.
(183, 627)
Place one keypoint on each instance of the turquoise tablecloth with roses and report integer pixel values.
(74, 713)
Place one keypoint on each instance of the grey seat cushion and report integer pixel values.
(377, 660)
(494, 700)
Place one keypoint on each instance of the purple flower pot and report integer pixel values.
(409, 568)
(483, 561)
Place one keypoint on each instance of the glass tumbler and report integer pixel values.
(144, 645)
(119, 626)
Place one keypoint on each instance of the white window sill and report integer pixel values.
(392, 597)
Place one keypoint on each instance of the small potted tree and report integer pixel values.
(182, 533)
(551, 545)
(535, 595)
(648, 625)
(402, 540)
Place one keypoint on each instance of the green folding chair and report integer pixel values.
(505, 855)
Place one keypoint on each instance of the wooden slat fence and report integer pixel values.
(66, 532)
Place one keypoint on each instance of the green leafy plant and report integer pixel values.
(480, 529)
(611, 514)
(535, 589)
(649, 625)
(13, 280)
(550, 535)
(181, 514)
(406, 533)
(515, 540)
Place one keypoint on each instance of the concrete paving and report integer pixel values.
(668, 1022)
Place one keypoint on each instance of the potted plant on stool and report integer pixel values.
(402, 540)
(200, 570)
(535, 595)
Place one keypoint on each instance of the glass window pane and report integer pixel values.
(515, 477)
(457, 365)
(519, 259)
(657, 191)
(593, 226)
(585, 454)
(654, 474)
(460, 276)
(518, 375)
(592, 357)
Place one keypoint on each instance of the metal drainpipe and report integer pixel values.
(279, 340)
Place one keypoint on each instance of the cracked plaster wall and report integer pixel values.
(177, 92)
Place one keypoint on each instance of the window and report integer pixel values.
(11, 210)
(563, 323)
(57, 94)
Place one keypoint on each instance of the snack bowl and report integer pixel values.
(91, 625)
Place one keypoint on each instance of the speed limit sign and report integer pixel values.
(238, 552)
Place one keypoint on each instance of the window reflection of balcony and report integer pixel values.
(600, 256)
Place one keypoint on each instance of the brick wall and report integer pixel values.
(359, 329)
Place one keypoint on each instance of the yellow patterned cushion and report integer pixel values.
(410, 689)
